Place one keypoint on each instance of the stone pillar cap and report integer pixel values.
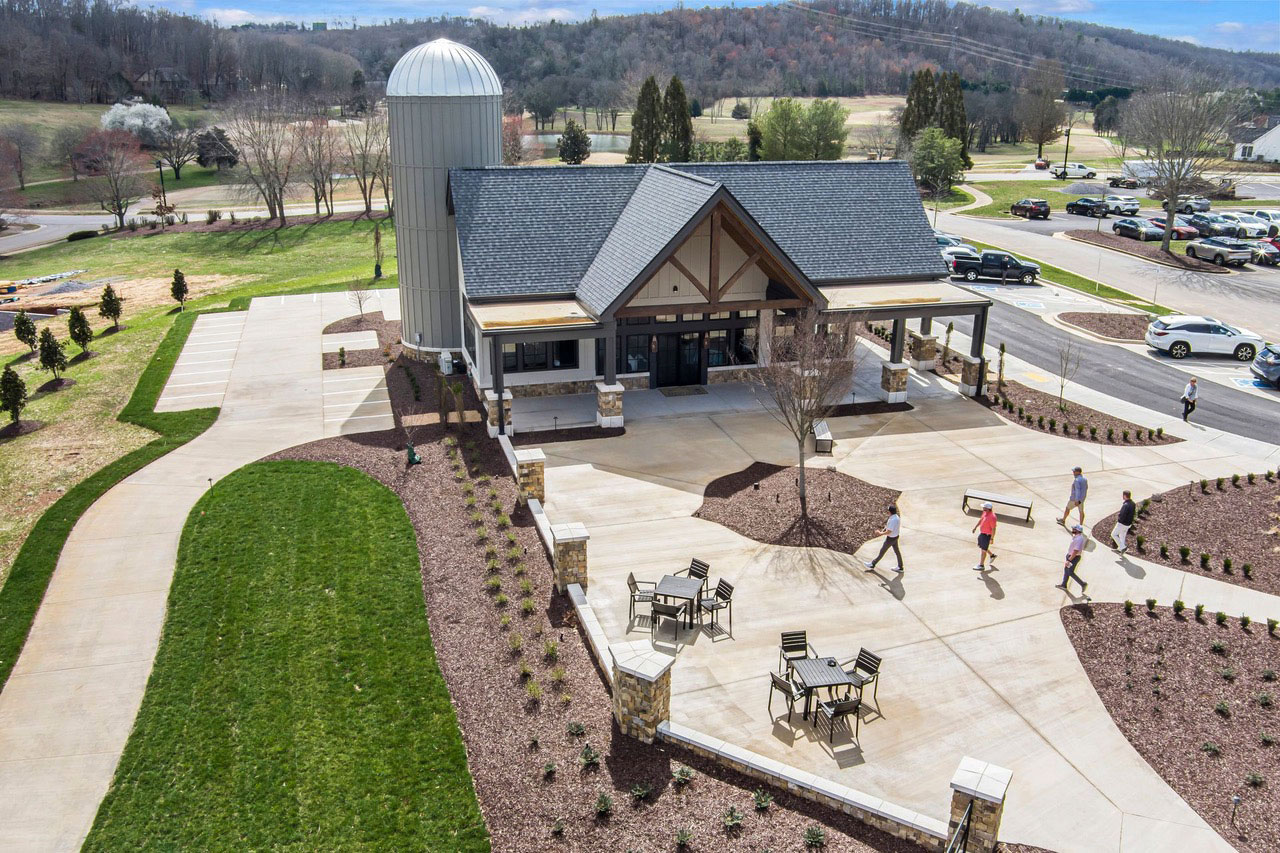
(531, 454)
(573, 531)
(641, 659)
(981, 779)
(490, 395)
(615, 388)
(896, 365)
(969, 359)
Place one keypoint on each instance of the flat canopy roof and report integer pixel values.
(547, 314)
(900, 294)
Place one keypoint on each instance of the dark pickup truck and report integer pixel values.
(1001, 265)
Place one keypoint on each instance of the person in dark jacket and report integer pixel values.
(1124, 520)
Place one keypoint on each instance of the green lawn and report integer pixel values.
(295, 701)
(70, 195)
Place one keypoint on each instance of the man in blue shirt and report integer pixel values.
(1079, 490)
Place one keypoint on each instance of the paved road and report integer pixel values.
(52, 226)
(1127, 375)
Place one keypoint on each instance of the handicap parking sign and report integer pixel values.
(1250, 382)
(1026, 303)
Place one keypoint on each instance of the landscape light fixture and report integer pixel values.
(1235, 804)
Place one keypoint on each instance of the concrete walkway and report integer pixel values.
(975, 663)
(67, 709)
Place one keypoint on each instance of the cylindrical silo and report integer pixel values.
(444, 104)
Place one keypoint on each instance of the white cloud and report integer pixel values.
(1043, 7)
(524, 14)
(1187, 39)
(1228, 27)
(235, 17)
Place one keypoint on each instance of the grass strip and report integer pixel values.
(295, 702)
(1059, 276)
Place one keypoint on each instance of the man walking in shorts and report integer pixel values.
(986, 528)
(1124, 520)
(891, 530)
(1074, 552)
(1079, 491)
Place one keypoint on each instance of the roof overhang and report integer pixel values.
(922, 297)
(495, 318)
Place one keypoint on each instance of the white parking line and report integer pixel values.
(191, 384)
(200, 372)
(356, 391)
(356, 418)
(357, 405)
(164, 397)
(210, 361)
(211, 351)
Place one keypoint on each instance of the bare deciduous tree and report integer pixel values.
(318, 155)
(808, 373)
(1179, 125)
(364, 146)
(114, 161)
(63, 146)
(1069, 355)
(1039, 109)
(880, 138)
(262, 131)
(19, 150)
(178, 145)
(358, 294)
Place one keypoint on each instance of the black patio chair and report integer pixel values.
(794, 646)
(638, 595)
(722, 598)
(865, 670)
(840, 708)
(658, 610)
(790, 691)
(697, 569)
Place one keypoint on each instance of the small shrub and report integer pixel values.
(1093, 433)
(684, 836)
(1235, 479)
(1246, 570)
(1145, 506)
(1245, 621)
(1252, 478)
(1220, 618)
(212, 216)
(1211, 748)
(1199, 611)
(1151, 605)
(1218, 483)
(1111, 434)
(1228, 674)
(1164, 551)
(1264, 699)
(1268, 675)
(1079, 430)
(493, 584)
(504, 521)
(1142, 542)
(565, 699)
(1159, 432)
(490, 551)
(732, 819)
(1128, 607)
(557, 826)
(470, 503)
(1222, 709)
(1268, 739)
(1218, 647)
(504, 620)
(526, 586)
(763, 799)
(815, 836)
(1151, 434)
(1040, 421)
(1185, 553)
(550, 650)
(518, 570)
(1271, 626)
(492, 567)
(557, 675)
(534, 689)
(525, 671)
(575, 729)
(641, 791)
(1204, 486)
(1204, 561)
(1053, 424)
(528, 606)
(1226, 565)
(681, 776)
(501, 599)
(1124, 434)
(1019, 413)
(1179, 606)
(1254, 780)
(589, 756)
(604, 805)
(481, 534)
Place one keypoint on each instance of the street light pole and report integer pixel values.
(163, 198)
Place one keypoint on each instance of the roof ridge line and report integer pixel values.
(683, 174)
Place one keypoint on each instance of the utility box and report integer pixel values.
(445, 360)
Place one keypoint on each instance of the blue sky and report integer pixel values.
(1231, 24)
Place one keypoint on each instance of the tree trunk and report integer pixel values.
(177, 172)
(804, 498)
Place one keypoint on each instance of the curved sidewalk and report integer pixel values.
(69, 705)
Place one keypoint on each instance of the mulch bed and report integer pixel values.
(1122, 327)
(55, 385)
(389, 345)
(523, 439)
(1160, 680)
(1238, 521)
(844, 512)
(14, 429)
(1036, 404)
(511, 737)
(1149, 250)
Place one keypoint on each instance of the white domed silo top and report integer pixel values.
(442, 68)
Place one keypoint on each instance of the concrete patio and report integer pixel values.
(975, 664)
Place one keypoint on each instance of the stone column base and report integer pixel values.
(569, 554)
(972, 381)
(924, 351)
(985, 786)
(893, 382)
(531, 474)
(609, 405)
(641, 688)
(491, 408)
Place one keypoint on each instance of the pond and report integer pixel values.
(544, 144)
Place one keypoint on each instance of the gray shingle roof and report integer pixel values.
(584, 229)
(663, 203)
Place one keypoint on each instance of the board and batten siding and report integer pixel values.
(669, 286)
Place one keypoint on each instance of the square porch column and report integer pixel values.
(641, 688)
(924, 351)
(491, 410)
(609, 405)
(569, 550)
(531, 474)
(985, 786)
(972, 379)
(893, 382)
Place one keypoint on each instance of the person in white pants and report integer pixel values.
(1124, 520)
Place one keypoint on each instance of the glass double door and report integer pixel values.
(678, 359)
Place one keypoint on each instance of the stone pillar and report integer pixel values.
(924, 351)
(985, 785)
(531, 474)
(491, 409)
(609, 405)
(570, 550)
(641, 688)
(971, 378)
(893, 382)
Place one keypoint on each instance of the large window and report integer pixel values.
(469, 338)
(635, 354)
(552, 355)
(718, 348)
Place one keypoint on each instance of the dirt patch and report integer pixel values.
(1122, 327)
(1161, 680)
(138, 293)
(1035, 409)
(844, 512)
(523, 439)
(1151, 251)
(510, 737)
(1238, 522)
(17, 428)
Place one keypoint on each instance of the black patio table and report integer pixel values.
(674, 586)
(816, 673)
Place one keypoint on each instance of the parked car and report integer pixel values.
(1122, 205)
(1073, 170)
(1123, 182)
(1265, 253)
(1030, 208)
(1138, 229)
(1182, 334)
(1271, 215)
(1088, 207)
(1189, 204)
(1182, 227)
(1267, 364)
(1220, 250)
(1246, 225)
(1212, 225)
(993, 264)
(945, 240)
(958, 249)
(1041, 163)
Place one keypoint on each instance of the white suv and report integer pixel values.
(1122, 205)
(1180, 335)
(1074, 170)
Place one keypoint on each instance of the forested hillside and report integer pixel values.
(97, 51)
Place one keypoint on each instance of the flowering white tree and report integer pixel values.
(146, 121)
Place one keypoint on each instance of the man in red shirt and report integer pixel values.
(987, 527)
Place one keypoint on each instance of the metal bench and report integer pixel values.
(995, 499)
(821, 437)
